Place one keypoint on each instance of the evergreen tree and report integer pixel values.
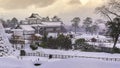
(63, 42)
(79, 43)
(75, 23)
(34, 46)
(14, 22)
(4, 23)
(51, 43)
(56, 19)
(94, 28)
(87, 22)
(114, 30)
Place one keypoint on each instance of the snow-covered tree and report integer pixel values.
(56, 19)
(87, 22)
(14, 22)
(94, 29)
(75, 23)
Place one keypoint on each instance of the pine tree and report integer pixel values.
(75, 23)
(87, 22)
(114, 30)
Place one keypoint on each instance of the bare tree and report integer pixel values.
(109, 10)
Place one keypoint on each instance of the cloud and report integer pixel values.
(21, 4)
(60, 7)
(65, 9)
(74, 2)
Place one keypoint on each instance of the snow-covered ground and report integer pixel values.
(74, 53)
(101, 40)
(28, 62)
(81, 63)
(12, 62)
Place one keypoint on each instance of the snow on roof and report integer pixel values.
(53, 35)
(27, 41)
(40, 25)
(54, 24)
(7, 28)
(27, 27)
(24, 22)
(35, 15)
(80, 63)
(20, 30)
(47, 24)
(38, 35)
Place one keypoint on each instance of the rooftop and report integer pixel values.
(27, 27)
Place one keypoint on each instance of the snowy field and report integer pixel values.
(12, 62)
(28, 62)
(81, 63)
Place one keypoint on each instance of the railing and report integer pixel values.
(70, 56)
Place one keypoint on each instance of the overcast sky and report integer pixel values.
(66, 9)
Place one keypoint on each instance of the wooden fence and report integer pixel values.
(57, 56)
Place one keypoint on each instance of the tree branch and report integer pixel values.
(112, 12)
(107, 16)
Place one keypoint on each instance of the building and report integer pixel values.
(36, 24)
(42, 25)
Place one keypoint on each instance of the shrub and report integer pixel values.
(116, 50)
(82, 45)
(43, 44)
(88, 47)
(79, 43)
(33, 46)
(63, 42)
